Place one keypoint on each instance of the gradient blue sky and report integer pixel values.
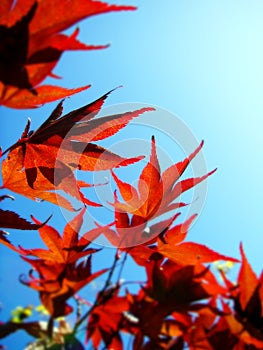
(201, 61)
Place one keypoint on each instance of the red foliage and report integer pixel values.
(60, 277)
(182, 303)
(105, 320)
(246, 320)
(156, 191)
(31, 43)
(44, 160)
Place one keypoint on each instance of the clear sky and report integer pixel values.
(199, 60)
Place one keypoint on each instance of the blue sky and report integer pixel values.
(201, 61)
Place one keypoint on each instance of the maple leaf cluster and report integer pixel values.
(182, 302)
(31, 44)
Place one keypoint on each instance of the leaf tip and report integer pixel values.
(242, 252)
(212, 172)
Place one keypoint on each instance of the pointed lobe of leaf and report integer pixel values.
(10, 219)
(247, 280)
(23, 99)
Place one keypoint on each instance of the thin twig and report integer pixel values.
(108, 281)
(50, 327)
(99, 296)
(122, 266)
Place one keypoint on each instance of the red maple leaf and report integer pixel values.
(31, 44)
(246, 321)
(44, 160)
(60, 275)
(156, 192)
(155, 196)
(163, 310)
(216, 331)
(106, 320)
